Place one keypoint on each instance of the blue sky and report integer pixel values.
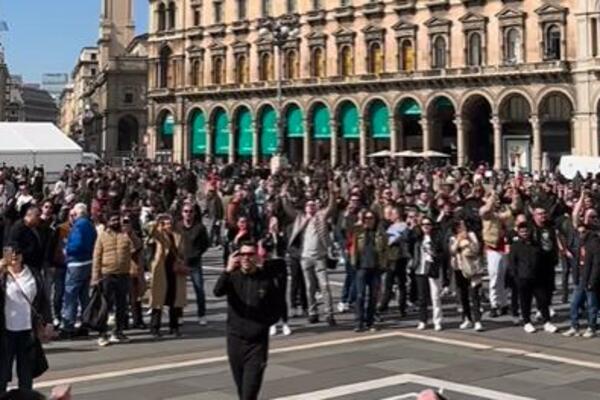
(47, 35)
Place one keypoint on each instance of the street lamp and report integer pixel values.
(281, 30)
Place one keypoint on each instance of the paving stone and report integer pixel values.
(405, 365)
(469, 372)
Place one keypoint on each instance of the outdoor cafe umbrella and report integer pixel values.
(407, 154)
(380, 154)
(433, 154)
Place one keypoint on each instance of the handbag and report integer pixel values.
(37, 324)
(37, 359)
(95, 316)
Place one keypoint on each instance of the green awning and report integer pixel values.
(168, 125)
(321, 125)
(349, 121)
(198, 133)
(268, 132)
(443, 103)
(410, 108)
(221, 133)
(295, 127)
(245, 133)
(379, 120)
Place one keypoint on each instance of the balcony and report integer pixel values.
(315, 17)
(374, 9)
(196, 32)
(344, 13)
(216, 30)
(240, 27)
(405, 6)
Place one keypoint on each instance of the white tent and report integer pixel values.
(37, 144)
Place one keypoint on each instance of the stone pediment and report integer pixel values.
(240, 46)
(507, 13)
(344, 35)
(471, 17)
(195, 50)
(316, 39)
(217, 49)
(373, 33)
(438, 25)
(550, 9)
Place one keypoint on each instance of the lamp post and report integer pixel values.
(281, 30)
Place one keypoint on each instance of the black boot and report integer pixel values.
(138, 318)
(174, 314)
(155, 323)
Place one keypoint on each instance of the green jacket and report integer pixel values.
(358, 245)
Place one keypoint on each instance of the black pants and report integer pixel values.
(16, 346)
(248, 361)
(422, 282)
(528, 289)
(568, 265)
(413, 293)
(297, 285)
(468, 293)
(367, 289)
(116, 289)
(156, 319)
(397, 273)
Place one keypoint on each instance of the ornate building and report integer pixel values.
(504, 81)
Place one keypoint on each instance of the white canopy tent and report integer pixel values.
(37, 144)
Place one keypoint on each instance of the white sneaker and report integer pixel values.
(273, 330)
(550, 328)
(552, 312)
(341, 307)
(529, 328)
(111, 320)
(466, 325)
(588, 334)
(571, 332)
(103, 341)
(437, 327)
(56, 322)
(421, 326)
(286, 330)
(202, 321)
(478, 327)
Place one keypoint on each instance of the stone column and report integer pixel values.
(362, 142)
(424, 122)
(231, 143)
(334, 143)
(460, 141)
(537, 143)
(497, 126)
(177, 142)
(393, 134)
(306, 142)
(151, 144)
(255, 144)
(210, 134)
(594, 133)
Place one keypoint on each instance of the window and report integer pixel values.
(242, 10)
(241, 72)
(265, 72)
(128, 98)
(439, 52)
(267, 8)
(292, 65)
(376, 59)
(345, 3)
(93, 71)
(318, 63)
(218, 70)
(552, 42)
(162, 17)
(172, 12)
(513, 46)
(94, 57)
(195, 73)
(474, 57)
(407, 62)
(292, 6)
(164, 70)
(218, 11)
(317, 4)
(594, 34)
(346, 62)
(197, 17)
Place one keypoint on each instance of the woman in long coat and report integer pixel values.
(168, 287)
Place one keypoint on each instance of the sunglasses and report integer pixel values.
(188, 211)
(369, 217)
(247, 254)
(427, 224)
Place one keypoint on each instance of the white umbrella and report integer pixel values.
(434, 154)
(407, 154)
(380, 154)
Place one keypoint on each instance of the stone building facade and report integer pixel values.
(512, 83)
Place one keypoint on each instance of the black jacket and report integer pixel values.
(254, 302)
(436, 248)
(195, 243)
(525, 260)
(590, 275)
(30, 243)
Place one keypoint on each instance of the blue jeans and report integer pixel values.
(582, 296)
(349, 289)
(198, 281)
(77, 293)
(366, 279)
(58, 281)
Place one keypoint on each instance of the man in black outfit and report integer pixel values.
(25, 233)
(255, 301)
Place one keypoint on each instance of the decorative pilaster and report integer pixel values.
(362, 142)
(231, 142)
(334, 143)
(497, 126)
(537, 143)
(460, 139)
(425, 128)
(306, 142)
(255, 144)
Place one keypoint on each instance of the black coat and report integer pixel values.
(30, 243)
(436, 247)
(525, 260)
(254, 302)
(590, 276)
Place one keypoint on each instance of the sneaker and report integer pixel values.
(273, 330)
(103, 341)
(437, 327)
(421, 326)
(111, 320)
(286, 330)
(550, 328)
(552, 312)
(466, 325)
(331, 321)
(313, 319)
(118, 338)
(589, 333)
(341, 307)
(478, 327)
(373, 329)
(529, 328)
(571, 332)
(202, 321)
(56, 323)
(516, 321)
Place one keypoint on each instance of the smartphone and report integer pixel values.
(7, 252)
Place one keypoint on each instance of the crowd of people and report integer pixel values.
(411, 235)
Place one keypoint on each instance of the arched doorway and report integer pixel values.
(243, 133)
(166, 128)
(478, 130)
(268, 132)
(442, 130)
(128, 135)
(515, 112)
(321, 132)
(197, 135)
(556, 111)
(408, 125)
(294, 129)
(220, 122)
(378, 132)
(349, 132)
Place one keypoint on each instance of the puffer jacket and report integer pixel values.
(112, 254)
(358, 246)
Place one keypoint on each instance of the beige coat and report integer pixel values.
(158, 289)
